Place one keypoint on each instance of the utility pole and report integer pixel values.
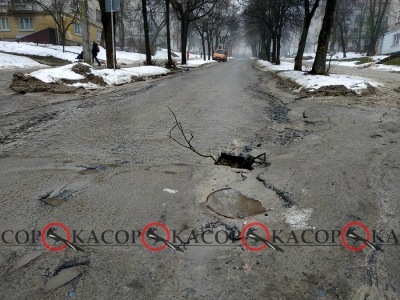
(87, 53)
(112, 28)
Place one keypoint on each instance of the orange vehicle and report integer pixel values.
(220, 55)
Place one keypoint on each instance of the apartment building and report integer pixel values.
(27, 21)
(390, 41)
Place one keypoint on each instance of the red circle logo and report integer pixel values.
(258, 224)
(54, 224)
(344, 232)
(154, 224)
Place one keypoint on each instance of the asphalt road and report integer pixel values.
(107, 161)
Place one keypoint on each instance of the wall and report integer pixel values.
(387, 46)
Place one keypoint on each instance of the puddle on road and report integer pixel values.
(53, 202)
(230, 203)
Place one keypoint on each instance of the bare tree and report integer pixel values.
(146, 33)
(107, 31)
(167, 23)
(377, 9)
(308, 15)
(319, 64)
(155, 10)
(344, 9)
(273, 17)
(64, 13)
(361, 22)
(187, 12)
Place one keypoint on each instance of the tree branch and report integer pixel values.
(188, 140)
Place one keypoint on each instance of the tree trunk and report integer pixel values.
(268, 49)
(333, 39)
(203, 44)
(106, 21)
(208, 46)
(298, 61)
(146, 33)
(87, 54)
(263, 48)
(342, 42)
(184, 31)
(63, 41)
(319, 64)
(278, 48)
(273, 48)
(121, 26)
(168, 32)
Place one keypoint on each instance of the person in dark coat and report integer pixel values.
(95, 50)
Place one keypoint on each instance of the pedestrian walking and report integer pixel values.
(95, 50)
(187, 54)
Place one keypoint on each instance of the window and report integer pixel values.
(396, 39)
(355, 32)
(366, 42)
(74, 4)
(25, 24)
(358, 18)
(398, 17)
(78, 28)
(354, 43)
(3, 2)
(98, 15)
(98, 35)
(4, 24)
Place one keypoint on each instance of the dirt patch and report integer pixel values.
(48, 60)
(81, 69)
(338, 90)
(23, 83)
(331, 90)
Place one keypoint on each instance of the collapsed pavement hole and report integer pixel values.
(243, 161)
(232, 204)
(55, 199)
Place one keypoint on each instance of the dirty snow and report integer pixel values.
(54, 74)
(8, 61)
(121, 76)
(111, 77)
(298, 218)
(195, 62)
(30, 49)
(355, 83)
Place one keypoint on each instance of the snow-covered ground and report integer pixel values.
(71, 52)
(111, 77)
(312, 82)
(349, 55)
(8, 61)
(340, 61)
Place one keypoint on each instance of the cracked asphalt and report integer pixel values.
(107, 163)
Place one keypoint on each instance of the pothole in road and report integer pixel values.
(243, 161)
(280, 114)
(232, 204)
(55, 199)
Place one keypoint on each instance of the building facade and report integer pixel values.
(23, 20)
(390, 41)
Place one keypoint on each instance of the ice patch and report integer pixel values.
(170, 191)
(298, 218)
